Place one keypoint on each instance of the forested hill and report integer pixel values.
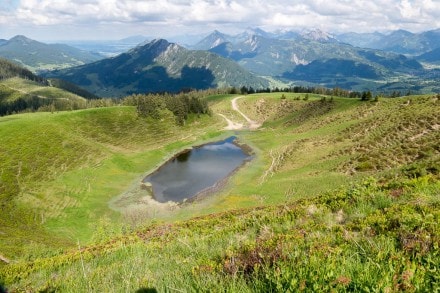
(9, 69)
(23, 91)
(159, 66)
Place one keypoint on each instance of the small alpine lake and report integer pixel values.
(197, 170)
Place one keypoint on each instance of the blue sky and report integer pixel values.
(115, 19)
(10, 5)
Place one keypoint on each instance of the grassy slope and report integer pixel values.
(60, 170)
(375, 235)
(369, 237)
(14, 88)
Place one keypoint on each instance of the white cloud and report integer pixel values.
(202, 15)
(408, 10)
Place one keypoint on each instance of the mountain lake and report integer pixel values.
(197, 171)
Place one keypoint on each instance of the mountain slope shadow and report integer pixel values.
(226, 50)
(104, 81)
(318, 70)
(158, 80)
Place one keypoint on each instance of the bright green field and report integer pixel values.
(62, 173)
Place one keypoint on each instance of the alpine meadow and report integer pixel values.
(336, 138)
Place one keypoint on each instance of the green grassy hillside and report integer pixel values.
(58, 171)
(21, 88)
(371, 237)
(341, 195)
(22, 95)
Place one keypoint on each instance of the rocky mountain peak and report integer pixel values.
(212, 40)
(153, 48)
(317, 35)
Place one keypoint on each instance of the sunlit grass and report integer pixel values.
(352, 239)
(27, 87)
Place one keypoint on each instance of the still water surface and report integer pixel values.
(196, 170)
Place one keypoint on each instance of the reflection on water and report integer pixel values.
(183, 157)
(193, 171)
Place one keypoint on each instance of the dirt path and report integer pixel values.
(231, 124)
(24, 92)
(251, 124)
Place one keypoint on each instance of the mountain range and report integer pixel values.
(159, 66)
(400, 41)
(216, 37)
(398, 61)
(314, 57)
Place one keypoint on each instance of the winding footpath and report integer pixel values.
(251, 124)
(231, 124)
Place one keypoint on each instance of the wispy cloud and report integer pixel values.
(203, 15)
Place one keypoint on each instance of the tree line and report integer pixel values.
(32, 103)
(181, 105)
(20, 105)
(337, 92)
(71, 87)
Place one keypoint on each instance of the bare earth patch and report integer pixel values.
(251, 124)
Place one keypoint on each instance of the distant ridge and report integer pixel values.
(38, 56)
(318, 35)
(212, 40)
(431, 56)
(276, 57)
(399, 41)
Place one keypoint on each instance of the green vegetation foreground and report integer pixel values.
(379, 234)
(371, 237)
